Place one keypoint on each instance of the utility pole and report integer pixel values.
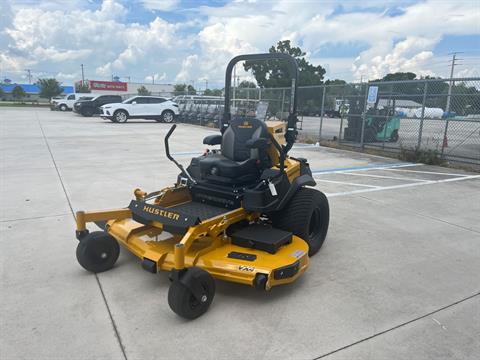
(450, 83)
(206, 84)
(83, 75)
(153, 79)
(29, 75)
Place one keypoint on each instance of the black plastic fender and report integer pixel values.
(298, 183)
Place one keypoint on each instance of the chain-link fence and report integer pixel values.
(438, 116)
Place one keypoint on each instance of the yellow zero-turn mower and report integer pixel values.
(242, 213)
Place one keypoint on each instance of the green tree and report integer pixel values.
(277, 73)
(191, 90)
(212, 92)
(184, 89)
(399, 76)
(247, 84)
(81, 88)
(2, 93)
(179, 89)
(142, 90)
(49, 88)
(18, 93)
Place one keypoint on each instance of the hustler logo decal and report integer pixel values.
(164, 213)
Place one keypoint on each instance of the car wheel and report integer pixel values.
(168, 116)
(394, 137)
(120, 116)
(63, 107)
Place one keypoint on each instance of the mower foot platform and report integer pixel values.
(261, 237)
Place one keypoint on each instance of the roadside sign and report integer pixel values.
(372, 94)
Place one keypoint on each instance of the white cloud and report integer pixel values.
(156, 77)
(188, 64)
(58, 37)
(162, 5)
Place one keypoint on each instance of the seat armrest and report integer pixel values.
(213, 139)
(260, 143)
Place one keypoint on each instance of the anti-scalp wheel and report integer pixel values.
(97, 251)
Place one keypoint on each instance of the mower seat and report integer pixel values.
(241, 159)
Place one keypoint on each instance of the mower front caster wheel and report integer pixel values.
(97, 252)
(191, 294)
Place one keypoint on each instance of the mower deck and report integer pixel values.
(206, 243)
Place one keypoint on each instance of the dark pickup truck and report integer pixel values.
(91, 107)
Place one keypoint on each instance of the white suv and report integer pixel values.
(66, 102)
(141, 107)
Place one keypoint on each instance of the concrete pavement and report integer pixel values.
(397, 277)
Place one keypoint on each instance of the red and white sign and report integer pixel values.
(107, 85)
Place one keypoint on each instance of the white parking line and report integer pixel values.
(428, 182)
(387, 177)
(426, 172)
(362, 168)
(345, 183)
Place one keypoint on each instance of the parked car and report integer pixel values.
(66, 102)
(92, 106)
(141, 107)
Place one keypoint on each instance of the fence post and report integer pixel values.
(341, 116)
(389, 103)
(444, 137)
(364, 115)
(322, 109)
(420, 131)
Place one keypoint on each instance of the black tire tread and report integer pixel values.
(179, 295)
(296, 215)
(89, 263)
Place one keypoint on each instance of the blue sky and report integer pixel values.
(191, 41)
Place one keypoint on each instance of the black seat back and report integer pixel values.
(240, 130)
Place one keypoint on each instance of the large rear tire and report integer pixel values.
(307, 215)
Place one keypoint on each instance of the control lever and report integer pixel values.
(167, 152)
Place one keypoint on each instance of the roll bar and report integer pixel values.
(291, 133)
